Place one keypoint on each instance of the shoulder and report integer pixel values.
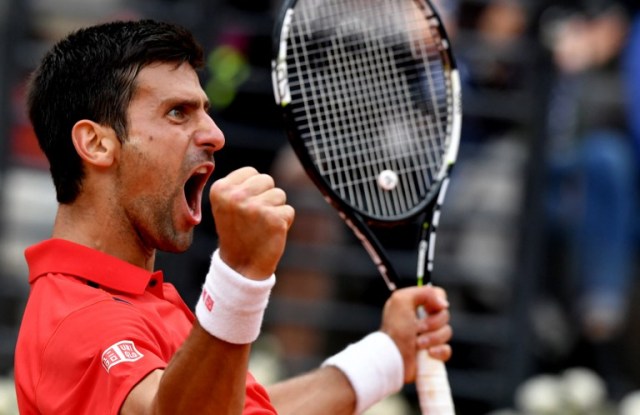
(63, 310)
(66, 329)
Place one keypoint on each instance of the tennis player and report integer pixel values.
(120, 114)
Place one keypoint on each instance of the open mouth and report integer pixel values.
(194, 186)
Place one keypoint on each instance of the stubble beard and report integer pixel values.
(168, 236)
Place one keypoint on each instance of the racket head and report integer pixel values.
(371, 101)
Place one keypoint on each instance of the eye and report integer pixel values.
(177, 113)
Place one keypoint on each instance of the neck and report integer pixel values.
(96, 230)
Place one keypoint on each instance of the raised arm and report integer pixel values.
(391, 353)
(205, 373)
(208, 373)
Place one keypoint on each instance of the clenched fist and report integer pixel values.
(252, 220)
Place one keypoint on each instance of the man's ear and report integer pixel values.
(95, 144)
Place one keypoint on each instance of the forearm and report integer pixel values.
(323, 391)
(349, 382)
(207, 375)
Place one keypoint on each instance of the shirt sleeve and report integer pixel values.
(96, 356)
(257, 401)
(99, 353)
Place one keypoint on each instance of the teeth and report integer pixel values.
(202, 170)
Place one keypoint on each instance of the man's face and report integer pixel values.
(167, 157)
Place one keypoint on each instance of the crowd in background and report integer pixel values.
(550, 146)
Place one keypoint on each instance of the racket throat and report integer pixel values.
(367, 239)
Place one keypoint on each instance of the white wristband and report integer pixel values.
(231, 307)
(373, 366)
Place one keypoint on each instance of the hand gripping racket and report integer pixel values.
(372, 106)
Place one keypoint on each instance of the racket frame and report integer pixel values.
(360, 222)
(431, 380)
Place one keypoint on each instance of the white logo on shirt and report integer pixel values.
(123, 351)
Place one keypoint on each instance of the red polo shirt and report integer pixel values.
(94, 326)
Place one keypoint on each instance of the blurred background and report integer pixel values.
(539, 236)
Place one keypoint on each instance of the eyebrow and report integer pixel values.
(187, 102)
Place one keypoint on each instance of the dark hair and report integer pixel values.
(91, 75)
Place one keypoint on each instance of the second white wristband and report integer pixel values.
(373, 366)
(231, 307)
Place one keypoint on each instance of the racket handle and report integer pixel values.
(432, 384)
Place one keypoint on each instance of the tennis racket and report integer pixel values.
(372, 106)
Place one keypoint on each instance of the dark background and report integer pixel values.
(494, 254)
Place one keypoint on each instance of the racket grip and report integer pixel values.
(432, 384)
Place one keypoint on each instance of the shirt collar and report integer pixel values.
(59, 256)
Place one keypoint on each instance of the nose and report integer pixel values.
(209, 134)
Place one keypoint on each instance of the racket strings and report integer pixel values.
(374, 115)
(374, 99)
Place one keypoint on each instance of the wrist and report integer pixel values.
(244, 266)
(373, 366)
(231, 306)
